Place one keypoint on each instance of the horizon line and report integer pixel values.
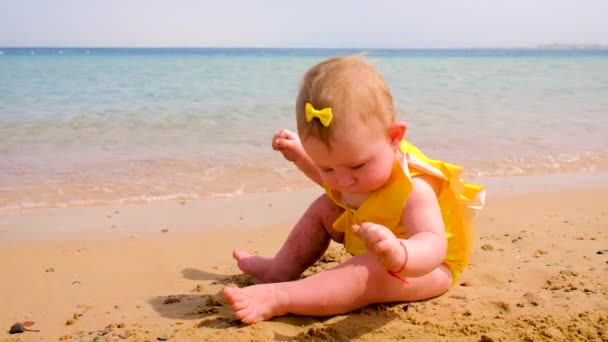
(553, 46)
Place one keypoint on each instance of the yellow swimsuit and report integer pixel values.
(458, 202)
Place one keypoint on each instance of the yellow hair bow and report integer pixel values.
(324, 115)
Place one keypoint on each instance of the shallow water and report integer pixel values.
(94, 126)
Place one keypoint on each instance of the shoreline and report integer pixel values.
(128, 181)
(298, 184)
(534, 273)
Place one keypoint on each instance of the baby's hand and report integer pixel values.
(288, 143)
(381, 242)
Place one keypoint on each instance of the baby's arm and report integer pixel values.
(289, 144)
(426, 244)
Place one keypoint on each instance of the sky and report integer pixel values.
(314, 23)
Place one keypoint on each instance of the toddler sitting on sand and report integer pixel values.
(405, 218)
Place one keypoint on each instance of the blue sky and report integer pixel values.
(314, 23)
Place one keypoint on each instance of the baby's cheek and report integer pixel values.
(368, 181)
(377, 178)
(329, 180)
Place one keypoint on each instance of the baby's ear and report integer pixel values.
(396, 133)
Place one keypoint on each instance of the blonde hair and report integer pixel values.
(353, 89)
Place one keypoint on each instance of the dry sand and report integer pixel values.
(148, 271)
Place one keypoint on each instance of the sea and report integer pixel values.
(94, 126)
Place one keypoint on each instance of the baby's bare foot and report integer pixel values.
(255, 303)
(264, 269)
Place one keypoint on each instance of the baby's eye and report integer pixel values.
(356, 167)
(327, 169)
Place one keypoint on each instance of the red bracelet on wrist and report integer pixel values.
(396, 273)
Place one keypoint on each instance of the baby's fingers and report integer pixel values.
(370, 233)
(286, 134)
(284, 144)
(382, 247)
(283, 138)
(277, 144)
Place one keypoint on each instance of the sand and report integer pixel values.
(142, 272)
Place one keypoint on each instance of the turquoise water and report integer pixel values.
(88, 126)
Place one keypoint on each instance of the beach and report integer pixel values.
(153, 271)
(128, 176)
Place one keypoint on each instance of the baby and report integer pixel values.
(405, 218)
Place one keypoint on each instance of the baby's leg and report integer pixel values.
(307, 241)
(358, 282)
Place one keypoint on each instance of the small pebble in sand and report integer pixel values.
(465, 283)
(17, 328)
(533, 298)
(20, 327)
(487, 247)
(49, 270)
(198, 288)
(164, 230)
(506, 307)
(163, 338)
(603, 251)
(70, 322)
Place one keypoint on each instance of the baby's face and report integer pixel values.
(360, 159)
